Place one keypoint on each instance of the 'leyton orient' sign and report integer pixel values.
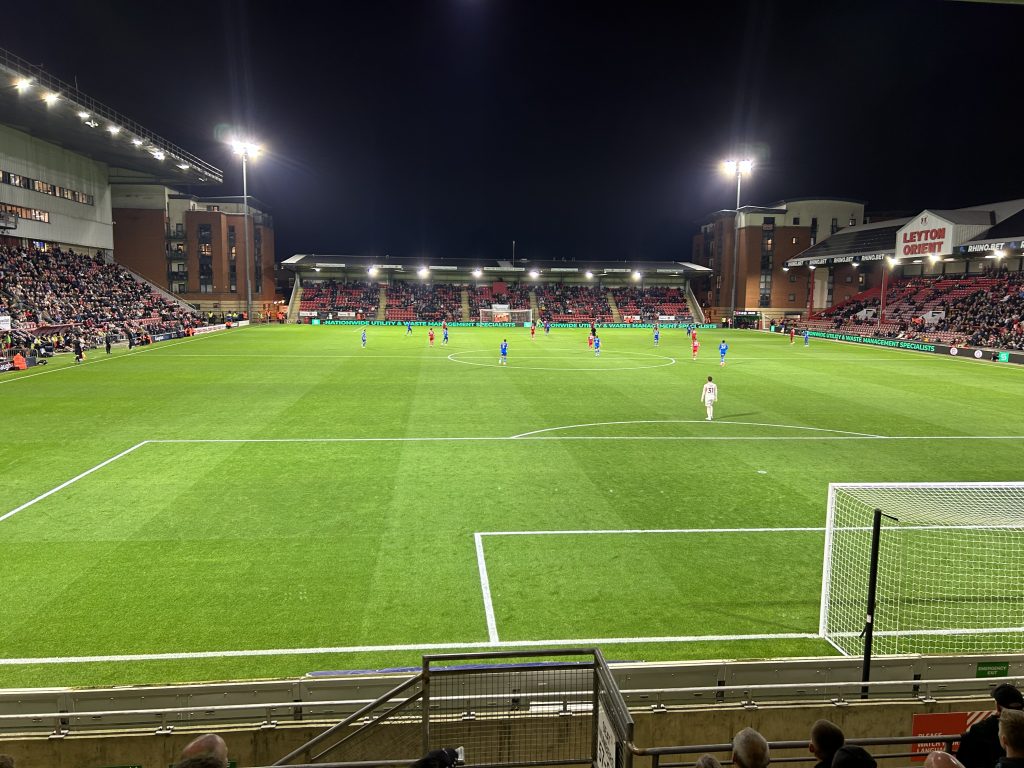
(925, 234)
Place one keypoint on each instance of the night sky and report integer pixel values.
(449, 128)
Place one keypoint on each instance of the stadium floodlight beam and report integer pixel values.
(114, 129)
(478, 272)
(137, 141)
(589, 275)
(636, 275)
(23, 83)
(372, 271)
(246, 150)
(534, 274)
(51, 98)
(736, 168)
(84, 115)
(423, 272)
(999, 254)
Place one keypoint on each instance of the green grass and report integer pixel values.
(183, 547)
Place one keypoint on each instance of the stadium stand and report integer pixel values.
(650, 303)
(483, 296)
(983, 310)
(64, 293)
(573, 304)
(424, 302)
(343, 296)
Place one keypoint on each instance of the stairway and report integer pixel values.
(382, 302)
(465, 305)
(616, 316)
(534, 305)
(294, 303)
(694, 305)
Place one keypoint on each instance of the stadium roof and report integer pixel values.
(404, 265)
(36, 102)
(867, 242)
(1011, 228)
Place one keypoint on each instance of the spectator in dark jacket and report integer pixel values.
(980, 747)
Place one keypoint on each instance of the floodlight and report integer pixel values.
(746, 166)
(812, 267)
(316, 269)
(893, 261)
(423, 272)
(999, 254)
(159, 154)
(854, 264)
(785, 269)
(51, 98)
(933, 257)
(534, 274)
(114, 129)
(372, 271)
(590, 275)
(636, 275)
(23, 83)
(84, 115)
(478, 272)
(137, 141)
(183, 166)
(247, 148)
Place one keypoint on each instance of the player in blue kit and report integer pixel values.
(597, 346)
(547, 328)
(657, 334)
(503, 360)
(444, 332)
(364, 337)
(408, 329)
(807, 338)
(722, 349)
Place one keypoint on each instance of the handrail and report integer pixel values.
(350, 719)
(464, 697)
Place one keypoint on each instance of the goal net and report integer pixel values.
(506, 315)
(951, 559)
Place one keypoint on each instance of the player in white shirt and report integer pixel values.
(708, 396)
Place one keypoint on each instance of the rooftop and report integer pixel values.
(35, 102)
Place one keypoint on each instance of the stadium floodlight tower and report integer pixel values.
(246, 150)
(737, 168)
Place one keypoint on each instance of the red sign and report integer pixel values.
(942, 724)
(923, 241)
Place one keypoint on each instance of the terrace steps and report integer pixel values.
(382, 302)
(616, 315)
(534, 305)
(465, 305)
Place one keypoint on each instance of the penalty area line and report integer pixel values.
(485, 588)
(74, 479)
(405, 647)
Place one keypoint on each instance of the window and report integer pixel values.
(796, 221)
(792, 297)
(205, 258)
(31, 214)
(796, 240)
(835, 225)
(213, 208)
(853, 221)
(45, 188)
(792, 277)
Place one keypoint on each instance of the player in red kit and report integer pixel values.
(696, 347)
(430, 335)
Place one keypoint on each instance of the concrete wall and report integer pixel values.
(488, 741)
(88, 227)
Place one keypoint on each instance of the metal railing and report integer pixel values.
(19, 66)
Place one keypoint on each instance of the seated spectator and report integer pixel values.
(826, 739)
(1011, 736)
(208, 751)
(750, 749)
(438, 758)
(980, 747)
(852, 756)
(707, 761)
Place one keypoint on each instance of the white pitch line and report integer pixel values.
(74, 479)
(648, 530)
(409, 647)
(693, 421)
(485, 587)
(148, 348)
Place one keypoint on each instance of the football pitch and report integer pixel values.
(271, 501)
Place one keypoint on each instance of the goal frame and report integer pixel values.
(516, 316)
(830, 527)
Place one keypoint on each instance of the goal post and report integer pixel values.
(506, 315)
(949, 574)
